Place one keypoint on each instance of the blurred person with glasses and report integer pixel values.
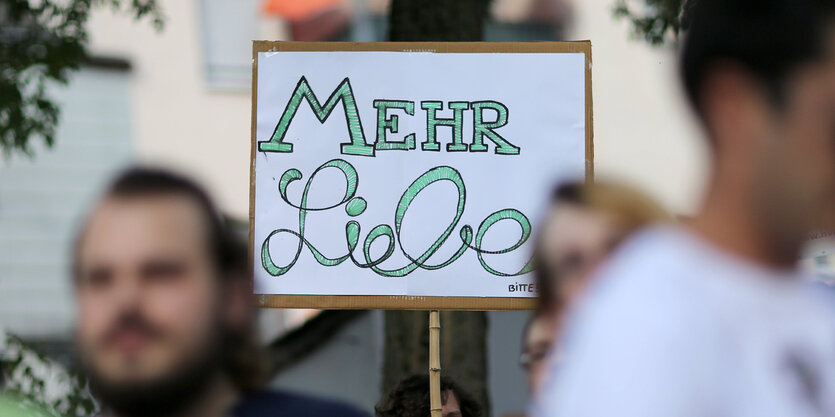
(583, 225)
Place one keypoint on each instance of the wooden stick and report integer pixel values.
(435, 406)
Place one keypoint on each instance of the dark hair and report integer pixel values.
(769, 38)
(410, 398)
(243, 358)
(632, 208)
(224, 250)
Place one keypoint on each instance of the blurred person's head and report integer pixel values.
(537, 341)
(410, 398)
(761, 76)
(164, 297)
(584, 223)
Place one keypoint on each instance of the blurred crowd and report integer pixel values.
(640, 313)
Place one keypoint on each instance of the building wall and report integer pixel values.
(43, 198)
(180, 118)
(644, 133)
(347, 368)
(507, 380)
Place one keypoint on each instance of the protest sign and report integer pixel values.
(410, 175)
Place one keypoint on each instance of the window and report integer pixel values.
(228, 29)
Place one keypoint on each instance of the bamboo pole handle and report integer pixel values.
(435, 405)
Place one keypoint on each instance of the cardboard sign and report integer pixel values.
(410, 175)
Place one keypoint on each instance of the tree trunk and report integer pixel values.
(437, 20)
(463, 334)
(464, 352)
(463, 349)
(406, 348)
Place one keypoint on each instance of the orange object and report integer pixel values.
(298, 9)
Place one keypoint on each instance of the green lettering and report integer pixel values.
(482, 129)
(343, 92)
(384, 123)
(456, 122)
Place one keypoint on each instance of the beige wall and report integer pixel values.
(177, 119)
(44, 198)
(643, 131)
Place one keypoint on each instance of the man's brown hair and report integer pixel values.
(410, 398)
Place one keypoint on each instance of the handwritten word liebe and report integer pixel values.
(354, 206)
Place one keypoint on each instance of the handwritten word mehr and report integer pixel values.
(358, 145)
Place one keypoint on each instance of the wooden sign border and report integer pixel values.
(407, 302)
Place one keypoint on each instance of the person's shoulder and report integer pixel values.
(276, 402)
(652, 262)
(654, 247)
(665, 260)
(648, 292)
(646, 319)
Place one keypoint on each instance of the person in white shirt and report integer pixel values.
(584, 223)
(712, 319)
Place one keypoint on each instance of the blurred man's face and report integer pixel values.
(796, 159)
(575, 240)
(538, 342)
(148, 297)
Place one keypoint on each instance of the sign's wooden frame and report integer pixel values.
(407, 302)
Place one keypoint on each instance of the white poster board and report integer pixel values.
(384, 178)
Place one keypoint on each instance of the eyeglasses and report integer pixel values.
(529, 359)
(575, 262)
